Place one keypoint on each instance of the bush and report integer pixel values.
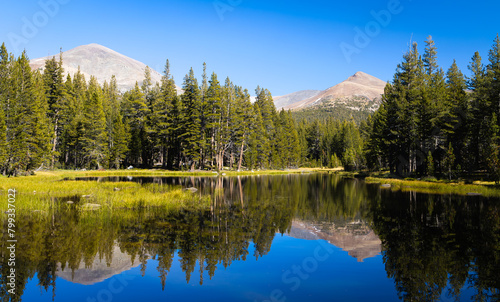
(430, 178)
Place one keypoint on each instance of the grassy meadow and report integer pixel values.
(49, 189)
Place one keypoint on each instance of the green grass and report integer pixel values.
(438, 187)
(159, 172)
(47, 190)
(429, 185)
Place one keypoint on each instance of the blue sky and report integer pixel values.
(284, 46)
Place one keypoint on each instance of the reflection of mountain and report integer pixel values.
(355, 237)
(98, 270)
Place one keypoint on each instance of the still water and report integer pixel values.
(312, 237)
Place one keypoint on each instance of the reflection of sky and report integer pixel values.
(339, 277)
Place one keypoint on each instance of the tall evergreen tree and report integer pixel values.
(54, 90)
(479, 109)
(135, 111)
(264, 101)
(94, 138)
(3, 139)
(213, 99)
(242, 118)
(163, 121)
(191, 123)
(493, 76)
(25, 121)
(115, 128)
(459, 113)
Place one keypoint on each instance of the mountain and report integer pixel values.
(102, 62)
(99, 269)
(289, 99)
(360, 91)
(354, 237)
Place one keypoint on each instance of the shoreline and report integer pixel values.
(456, 186)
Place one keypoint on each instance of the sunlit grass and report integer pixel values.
(159, 172)
(459, 188)
(47, 190)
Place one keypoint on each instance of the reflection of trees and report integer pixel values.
(210, 238)
(431, 242)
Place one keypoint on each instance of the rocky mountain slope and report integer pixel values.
(289, 99)
(102, 62)
(360, 91)
(354, 237)
(98, 270)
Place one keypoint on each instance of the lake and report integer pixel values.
(303, 237)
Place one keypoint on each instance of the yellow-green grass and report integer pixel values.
(47, 190)
(160, 172)
(50, 189)
(459, 188)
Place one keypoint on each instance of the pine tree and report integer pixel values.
(430, 164)
(54, 90)
(26, 134)
(314, 138)
(40, 124)
(72, 145)
(430, 113)
(376, 148)
(449, 161)
(3, 139)
(493, 77)
(479, 109)
(292, 143)
(94, 138)
(163, 121)
(191, 119)
(491, 152)
(135, 111)
(264, 101)
(459, 112)
(115, 128)
(352, 146)
(257, 156)
(241, 125)
(213, 99)
(5, 103)
(205, 111)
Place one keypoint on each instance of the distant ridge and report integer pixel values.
(102, 62)
(358, 91)
(289, 99)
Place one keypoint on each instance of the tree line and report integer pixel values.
(56, 121)
(49, 120)
(430, 122)
(436, 123)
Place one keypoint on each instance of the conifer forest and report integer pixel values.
(431, 122)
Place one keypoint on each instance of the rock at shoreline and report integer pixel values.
(474, 194)
(91, 206)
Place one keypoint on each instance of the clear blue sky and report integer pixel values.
(284, 46)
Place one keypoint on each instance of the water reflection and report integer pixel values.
(430, 244)
(353, 236)
(436, 243)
